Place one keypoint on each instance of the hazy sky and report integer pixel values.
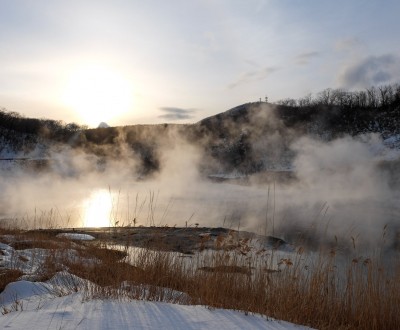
(132, 61)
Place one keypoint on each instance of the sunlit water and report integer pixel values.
(224, 205)
(97, 209)
(275, 210)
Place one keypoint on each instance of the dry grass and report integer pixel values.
(325, 292)
(8, 276)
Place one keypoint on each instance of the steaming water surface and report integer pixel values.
(140, 203)
(341, 190)
(276, 209)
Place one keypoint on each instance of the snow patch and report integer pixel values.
(76, 237)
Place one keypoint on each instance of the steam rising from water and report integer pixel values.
(341, 189)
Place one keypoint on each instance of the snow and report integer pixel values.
(28, 305)
(30, 261)
(142, 291)
(66, 302)
(23, 290)
(393, 142)
(77, 237)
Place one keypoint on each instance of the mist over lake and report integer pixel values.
(255, 174)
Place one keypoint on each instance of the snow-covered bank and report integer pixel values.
(67, 301)
(30, 305)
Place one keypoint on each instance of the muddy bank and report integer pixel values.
(177, 239)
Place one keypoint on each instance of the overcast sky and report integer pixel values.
(180, 61)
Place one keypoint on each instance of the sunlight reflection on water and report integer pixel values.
(97, 209)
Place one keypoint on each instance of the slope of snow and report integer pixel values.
(31, 306)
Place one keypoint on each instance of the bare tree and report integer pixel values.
(325, 97)
(305, 101)
(339, 97)
(372, 97)
(288, 102)
(386, 95)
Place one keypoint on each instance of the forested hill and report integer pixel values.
(332, 112)
(248, 138)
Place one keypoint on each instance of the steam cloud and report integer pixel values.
(342, 189)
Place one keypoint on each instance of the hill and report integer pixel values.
(247, 139)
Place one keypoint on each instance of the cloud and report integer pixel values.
(305, 58)
(251, 76)
(349, 44)
(372, 70)
(173, 113)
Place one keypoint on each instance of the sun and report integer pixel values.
(98, 94)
